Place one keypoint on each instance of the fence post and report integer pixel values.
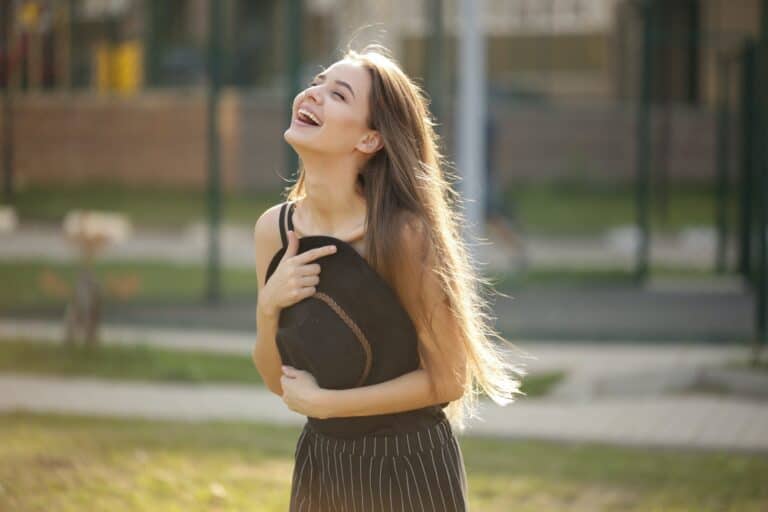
(213, 287)
(747, 121)
(293, 28)
(643, 142)
(723, 163)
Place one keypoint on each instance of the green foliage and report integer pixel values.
(132, 362)
(67, 463)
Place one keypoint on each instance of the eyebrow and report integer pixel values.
(340, 82)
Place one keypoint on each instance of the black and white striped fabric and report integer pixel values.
(414, 471)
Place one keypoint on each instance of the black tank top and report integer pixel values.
(352, 332)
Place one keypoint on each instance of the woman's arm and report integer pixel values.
(265, 356)
(404, 393)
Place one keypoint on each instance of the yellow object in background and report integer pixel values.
(128, 66)
(29, 14)
(119, 68)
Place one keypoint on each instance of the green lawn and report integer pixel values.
(24, 285)
(563, 207)
(148, 363)
(574, 208)
(24, 282)
(132, 362)
(146, 206)
(68, 463)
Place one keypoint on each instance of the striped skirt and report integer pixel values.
(414, 471)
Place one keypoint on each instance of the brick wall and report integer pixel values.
(161, 139)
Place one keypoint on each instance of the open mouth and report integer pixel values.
(307, 118)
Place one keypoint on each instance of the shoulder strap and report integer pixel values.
(283, 235)
(290, 215)
(283, 232)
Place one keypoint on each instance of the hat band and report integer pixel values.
(355, 330)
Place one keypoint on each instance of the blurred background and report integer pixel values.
(612, 154)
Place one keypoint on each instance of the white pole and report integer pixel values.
(471, 119)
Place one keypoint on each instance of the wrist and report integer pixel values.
(324, 401)
(268, 312)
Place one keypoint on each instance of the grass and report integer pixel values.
(591, 276)
(130, 362)
(71, 463)
(147, 363)
(153, 206)
(570, 207)
(578, 208)
(25, 283)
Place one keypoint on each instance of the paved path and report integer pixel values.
(643, 413)
(500, 248)
(587, 361)
(691, 422)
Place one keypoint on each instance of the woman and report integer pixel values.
(371, 203)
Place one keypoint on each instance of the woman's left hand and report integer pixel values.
(301, 393)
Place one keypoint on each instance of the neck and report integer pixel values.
(332, 203)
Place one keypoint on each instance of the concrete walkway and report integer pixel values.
(501, 248)
(691, 422)
(613, 394)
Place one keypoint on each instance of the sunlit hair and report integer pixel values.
(407, 182)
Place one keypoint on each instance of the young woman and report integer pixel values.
(369, 319)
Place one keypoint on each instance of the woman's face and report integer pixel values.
(338, 100)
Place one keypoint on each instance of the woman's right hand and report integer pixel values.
(295, 277)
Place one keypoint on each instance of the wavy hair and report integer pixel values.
(408, 181)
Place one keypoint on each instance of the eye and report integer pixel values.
(339, 94)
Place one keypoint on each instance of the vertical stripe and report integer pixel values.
(459, 463)
(321, 483)
(351, 486)
(343, 484)
(426, 479)
(329, 473)
(370, 481)
(311, 487)
(362, 492)
(437, 478)
(415, 484)
(330, 487)
(381, 487)
(450, 476)
(400, 486)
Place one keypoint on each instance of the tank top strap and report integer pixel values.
(289, 206)
(290, 214)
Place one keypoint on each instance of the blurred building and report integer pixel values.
(115, 89)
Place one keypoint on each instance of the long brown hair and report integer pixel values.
(408, 182)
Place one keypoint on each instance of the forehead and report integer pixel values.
(351, 72)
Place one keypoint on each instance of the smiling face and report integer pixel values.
(331, 115)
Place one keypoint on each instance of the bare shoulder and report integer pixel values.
(266, 238)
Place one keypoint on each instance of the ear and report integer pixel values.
(370, 143)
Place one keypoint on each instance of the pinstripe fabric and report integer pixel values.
(416, 471)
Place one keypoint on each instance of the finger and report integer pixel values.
(309, 269)
(308, 281)
(313, 254)
(307, 291)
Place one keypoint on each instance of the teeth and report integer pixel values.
(310, 115)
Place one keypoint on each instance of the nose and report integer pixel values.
(312, 92)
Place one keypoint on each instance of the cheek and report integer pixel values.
(346, 128)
